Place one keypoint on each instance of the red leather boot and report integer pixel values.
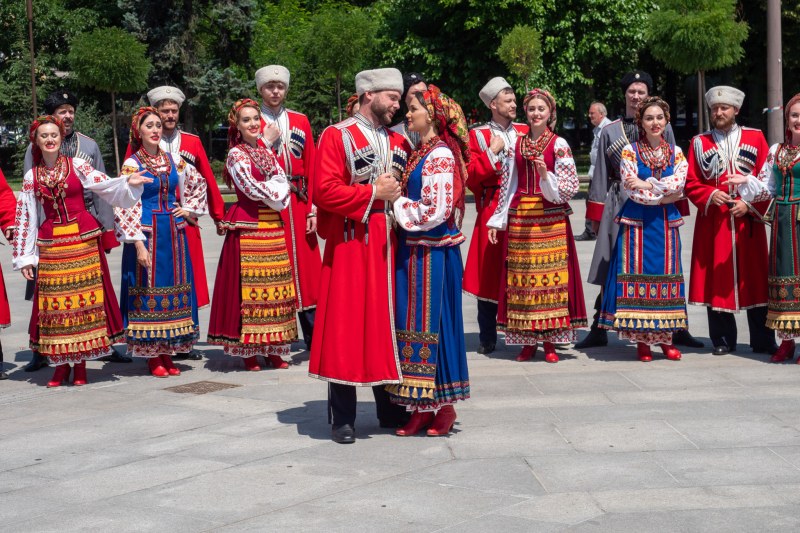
(671, 352)
(79, 377)
(172, 370)
(416, 423)
(157, 368)
(643, 350)
(60, 375)
(550, 353)
(785, 352)
(527, 353)
(443, 422)
(251, 363)
(277, 361)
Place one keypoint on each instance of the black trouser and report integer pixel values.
(598, 303)
(487, 322)
(722, 328)
(588, 228)
(307, 324)
(342, 405)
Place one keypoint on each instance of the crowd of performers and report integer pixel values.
(384, 303)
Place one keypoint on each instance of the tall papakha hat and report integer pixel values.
(637, 76)
(58, 98)
(272, 73)
(492, 89)
(723, 94)
(379, 79)
(165, 92)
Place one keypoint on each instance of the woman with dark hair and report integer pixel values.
(643, 297)
(158, 298)
(428, 322)
(543, 296)
(75, 314)
(253, 310)
(780, 178)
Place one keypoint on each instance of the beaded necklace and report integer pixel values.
(787, 153)
(418, 155)
(531, 150)
(54, 179)
(656, 159)
(156, 165)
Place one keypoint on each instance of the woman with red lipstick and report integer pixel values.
(780, 177)
(159, 307)
(253, 309)
(75, 313)
(643, 297)
(543, 296)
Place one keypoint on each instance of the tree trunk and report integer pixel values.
(699, 102)
(114, 128)
(339, 94)
(705, 107)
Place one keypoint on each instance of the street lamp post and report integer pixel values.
(774, 73)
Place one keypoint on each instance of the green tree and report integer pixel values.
(113, 61)
(695, 36)
(336, 40)
(521, 51)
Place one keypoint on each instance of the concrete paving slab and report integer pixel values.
(567, 508)
(629, 436)
(511, 476)
(731, 466)
(741, 431)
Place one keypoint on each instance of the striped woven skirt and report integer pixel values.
(76, 316)
(643, 298)
(783, 311)
(535, 305)
(253, 309)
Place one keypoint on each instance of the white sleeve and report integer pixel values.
(25, 252)
(761, 187)
(561, 185)
(193, 189)
(508, 187)
(436, 203)
(128, 221)
(274, 192)
(114, 191)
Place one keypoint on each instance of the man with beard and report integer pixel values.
(288, 134)
(492, 147)
(729, 252)
(359, 162)
(168, 101)
(62, 104)
(606, 196)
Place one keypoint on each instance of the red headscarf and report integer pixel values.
(234, 135)
(788, 133)
(451, 125)
(547, 97)
(136, 122)
(36, 152)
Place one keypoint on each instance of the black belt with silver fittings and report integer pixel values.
(301, 189)
(350, 226)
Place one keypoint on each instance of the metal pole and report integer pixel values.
(33, 60)
(774, 73)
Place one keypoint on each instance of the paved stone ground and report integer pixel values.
(598, 442)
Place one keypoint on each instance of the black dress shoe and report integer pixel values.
(192, 355)
(596, 337)
(585, 236)
(3, 375)
(484, 349)
(116, 357)
(38, 362)
(684, 338)
(343, 434)
(722, 349)
(769, 349)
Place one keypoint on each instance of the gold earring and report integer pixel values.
(428, 120)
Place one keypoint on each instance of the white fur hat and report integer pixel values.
(166, 92)
(722, 94)
(379, 79)
(492, 89)
(272, 73)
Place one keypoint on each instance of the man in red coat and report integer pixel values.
(355, 182)
(288, 134)
(492, 148)
(729, 251)
(168, 101)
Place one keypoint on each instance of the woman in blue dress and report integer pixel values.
(643, 297)
(429, 325)
(157, 297)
